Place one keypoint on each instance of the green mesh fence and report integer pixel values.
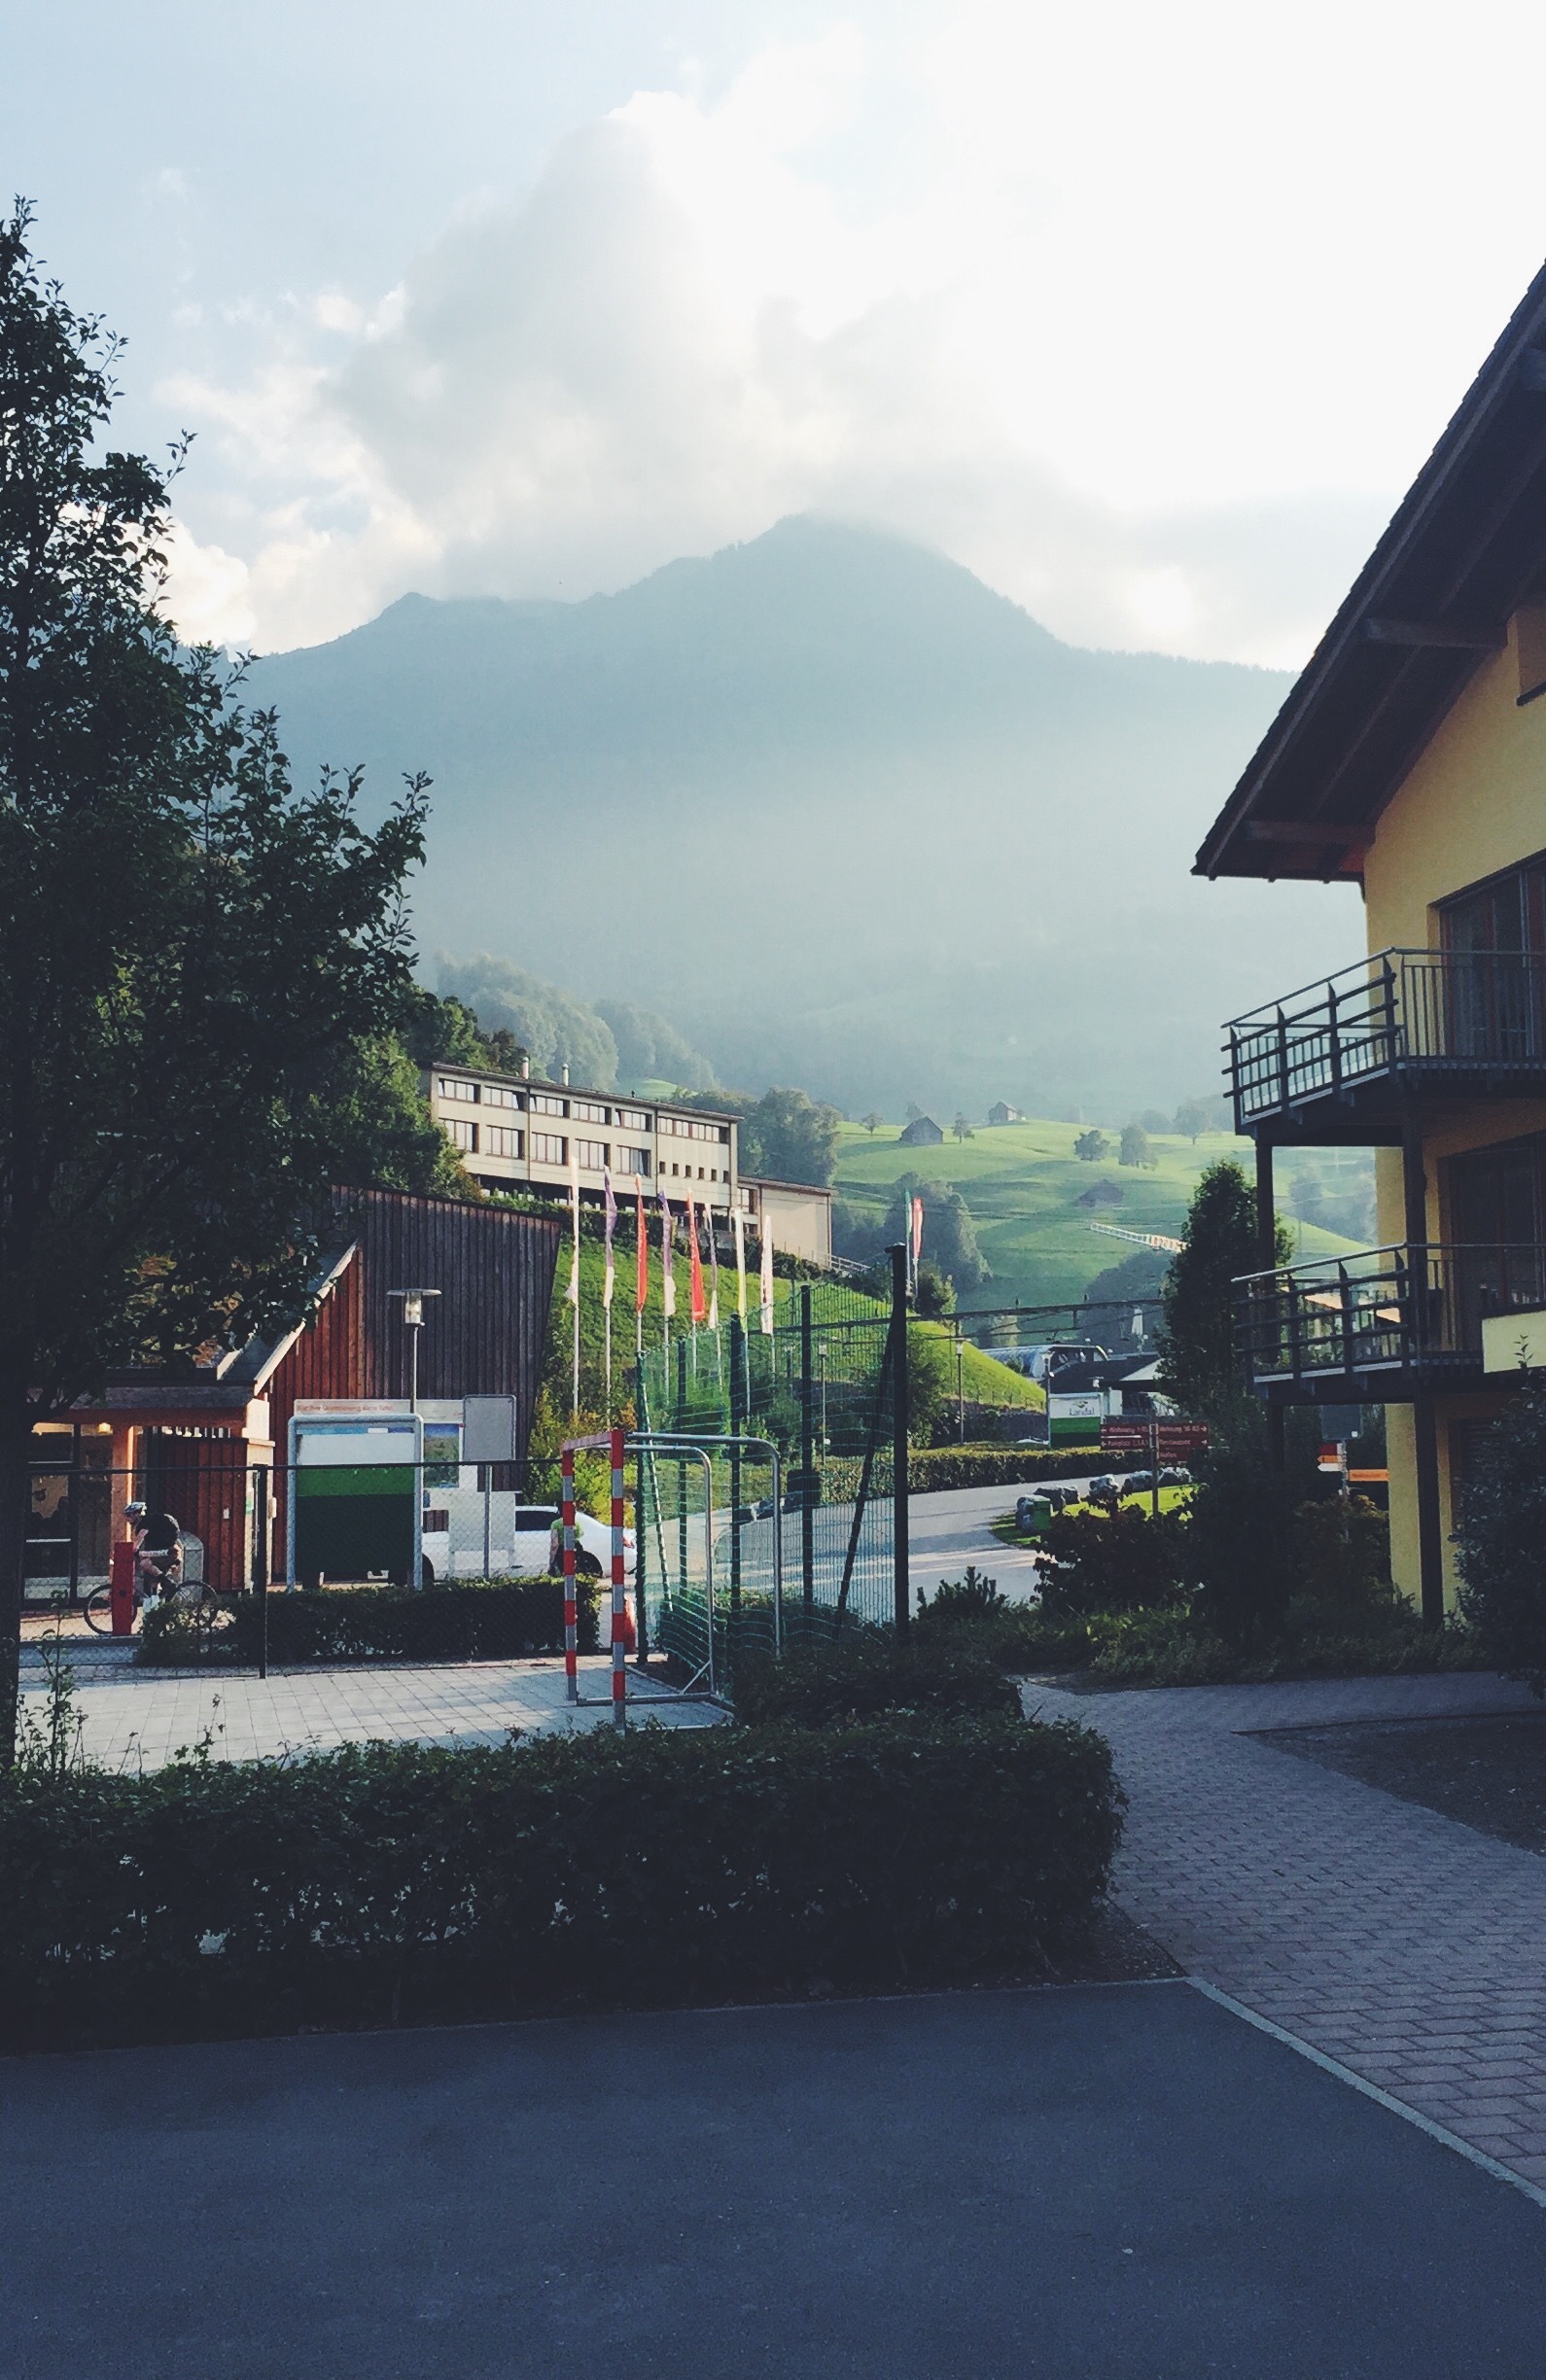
(716, 1408)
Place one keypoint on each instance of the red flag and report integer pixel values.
(918, 1229)
(641, 1285)
(700, 1304)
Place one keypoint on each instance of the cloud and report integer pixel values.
(1048, 351)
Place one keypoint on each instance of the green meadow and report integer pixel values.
(1022, 1183)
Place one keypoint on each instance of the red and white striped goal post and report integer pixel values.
(616, 1445)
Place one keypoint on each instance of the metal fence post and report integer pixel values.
(902, 1592)
(738, 1420)
(807, 1458)
(639, 1566)
(260, 1563)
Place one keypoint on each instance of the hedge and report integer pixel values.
(462, 1620)
(936, 1467)
(382, 1883)
(865, 1674)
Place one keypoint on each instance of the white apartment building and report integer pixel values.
(516, 1131)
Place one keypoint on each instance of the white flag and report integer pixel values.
(574, 1215)
(609, 1282)
(738, 1226)
(766, 1282)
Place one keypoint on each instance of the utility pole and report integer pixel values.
(414, 1323)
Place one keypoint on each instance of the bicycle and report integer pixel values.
(195, 1599)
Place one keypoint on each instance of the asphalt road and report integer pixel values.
(1121, 2182)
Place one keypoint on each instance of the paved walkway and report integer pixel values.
(141, 1719)
(951, 1526)
(1406, 1947)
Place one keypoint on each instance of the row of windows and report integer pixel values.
(473, 1095)
(552, 1148)
(494, 1139)
(686, 1129)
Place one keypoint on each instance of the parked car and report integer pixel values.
(1175, 1475)
(524, 1540)
(1103, 1485)
(1137, 1483)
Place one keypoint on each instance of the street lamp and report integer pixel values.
(414, 1323)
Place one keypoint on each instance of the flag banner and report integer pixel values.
(698, 1301)
(713, 1274)
(918, 1229)
(738, 1226)
(766, 1282)
(641, 1279)
(574, 1217)
(668, 1274)
(611, 1225)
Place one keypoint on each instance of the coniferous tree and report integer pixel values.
(1196, 1337)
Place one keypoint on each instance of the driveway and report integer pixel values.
(1124, 2182)
(1398, 1943)
(952, 1527)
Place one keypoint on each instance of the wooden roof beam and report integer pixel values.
(1302, 831)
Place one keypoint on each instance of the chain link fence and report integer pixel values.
(766, 1496)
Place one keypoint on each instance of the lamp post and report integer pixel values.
(414, 1323)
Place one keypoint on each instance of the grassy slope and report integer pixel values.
(1021, 1182)
(984, 1381)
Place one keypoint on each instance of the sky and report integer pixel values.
(1147, 316)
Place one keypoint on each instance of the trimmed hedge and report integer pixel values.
(462, 1620)
(865, 1675)
(386, 1882)
(935, 1467)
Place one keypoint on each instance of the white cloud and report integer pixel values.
(1160, 313)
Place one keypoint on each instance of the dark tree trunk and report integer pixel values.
(16, 1440)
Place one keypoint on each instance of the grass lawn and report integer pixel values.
(1004, 1528)
(1022, 1183)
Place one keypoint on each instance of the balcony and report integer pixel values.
(1344, 1053)
(1383, 1326)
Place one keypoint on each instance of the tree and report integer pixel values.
(1196, 1337)
(934, 1292)
(913, 1111)
(1192, 1118)
(785, 1135)
(962, 1128)
(949, 1236)
(1135, 1147)
(1503, 1529)
(1155, 1120)
(199, 965)
(1091, 1146)
(873, 1121)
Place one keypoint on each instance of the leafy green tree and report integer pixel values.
(1503, 1531)
(873, 1121)
(950, 1239)
(785, 1135)
(1135, 1147)
(1192, 1118)
(934, 1294)
(1196, 1337)
(556, 1028)
(195, 960)
(961, 1128)
(442, 1031)
(1091, 1146)
(1241, 1546)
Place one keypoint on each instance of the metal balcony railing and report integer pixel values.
(1399, 1010)
(1410, 1308)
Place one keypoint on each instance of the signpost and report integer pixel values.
(1163, 1442)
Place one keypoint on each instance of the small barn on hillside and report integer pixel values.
(195, 1441)
(1000, 1112)
(922, 1132)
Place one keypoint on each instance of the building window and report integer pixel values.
(500, 1095)
(543, 1102)
(502, 1140)
(586, 1112)
(633, 1161)
(632, 1119)
(676, 1168)
(550, 1148)
(450, 1089)
(462, 1136)
(592, 1154)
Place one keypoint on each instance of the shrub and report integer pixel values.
(1125, 1561)
(1242, 1548)
(465, 1620)
(668, 1864)
(1504, 1540)
(866, 1673)
(1019, 1638)
(937, 1467)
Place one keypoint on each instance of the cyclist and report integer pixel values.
(157, 1552)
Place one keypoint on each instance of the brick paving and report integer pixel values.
(1403, 1945)
(140, 1719)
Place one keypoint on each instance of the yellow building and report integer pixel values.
(1411, 756)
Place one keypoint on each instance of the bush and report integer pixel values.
(465, 1620)
(866, 1673)
(385, 1883)
(1007, 1466)
(1120, 1561)
(1019, 1638)
(1504, 1540)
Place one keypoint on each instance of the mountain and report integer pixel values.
(840, 812)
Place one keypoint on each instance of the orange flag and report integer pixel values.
(700, 1304)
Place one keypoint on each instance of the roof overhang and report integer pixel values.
(1465, 549)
